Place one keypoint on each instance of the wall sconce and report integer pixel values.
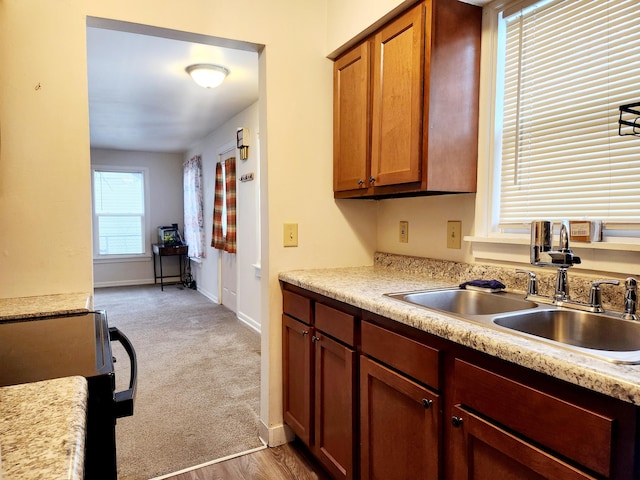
(207, 75)
(242, 142)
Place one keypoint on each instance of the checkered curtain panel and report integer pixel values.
(224, 207)
(218, 235)
(230, 174)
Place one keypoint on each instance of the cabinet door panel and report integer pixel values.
(400, 435)
(334, 416)
(538, 415)
(397, 100)
(481, 450)
(297, 371)
(351, 80)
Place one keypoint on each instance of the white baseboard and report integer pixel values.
(122, 283)
(274, 436)
(250, 322)
(209, 295)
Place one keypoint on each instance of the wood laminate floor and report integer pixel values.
(286, 462)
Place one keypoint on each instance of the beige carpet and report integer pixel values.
(198, 379)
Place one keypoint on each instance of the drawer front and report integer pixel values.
(571, 430)
(297, 306)
(410, 357)
(339, 325)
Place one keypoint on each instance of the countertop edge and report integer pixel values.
(363, 287)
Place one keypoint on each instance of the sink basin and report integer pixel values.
(581, 329)
(466, 302)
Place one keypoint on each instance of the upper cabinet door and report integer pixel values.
(398, 64)
(351, 80)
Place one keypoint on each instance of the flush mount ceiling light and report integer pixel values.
(207, 75)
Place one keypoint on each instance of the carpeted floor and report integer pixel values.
(198, 379)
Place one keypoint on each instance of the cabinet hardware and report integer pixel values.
(315, 339)
(456, 421)
(360, 182)
(372, 180)
(427, 403)
(305, 332)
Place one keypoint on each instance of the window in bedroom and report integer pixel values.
(119, 223)
(563, 68)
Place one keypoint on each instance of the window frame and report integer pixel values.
(146, 221)
(488, 242)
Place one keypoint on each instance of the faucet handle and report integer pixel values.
(532, 284)
(630, 299)
(595, 295)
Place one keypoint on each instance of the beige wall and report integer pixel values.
(44, 158)
(44, 149)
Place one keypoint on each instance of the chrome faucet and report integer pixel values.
(630, 299)
(543, 254)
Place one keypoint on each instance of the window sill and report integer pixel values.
(613, 257)
(145, 257)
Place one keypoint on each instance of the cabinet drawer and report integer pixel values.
(297, 306)
(339, 325)
(414, 359)
(569, 429)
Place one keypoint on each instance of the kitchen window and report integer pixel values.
(555, 73)
(119, 212)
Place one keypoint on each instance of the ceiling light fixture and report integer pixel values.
(207, 75)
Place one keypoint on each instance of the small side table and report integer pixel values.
(167, 251)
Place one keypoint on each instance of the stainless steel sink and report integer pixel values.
(581, 329)
(600, 335)
(466, 302)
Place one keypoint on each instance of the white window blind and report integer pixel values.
(568, 66)
(119, 212)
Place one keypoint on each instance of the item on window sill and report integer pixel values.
(492, 286)
(585, 230)
(629, 117)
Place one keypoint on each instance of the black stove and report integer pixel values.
(44, 348)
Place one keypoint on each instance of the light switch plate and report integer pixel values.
(404, 232)
(290, 235)
(454, 234)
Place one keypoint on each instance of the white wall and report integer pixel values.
(427, 217)
(248, 215)
(45, 199)
(165, 208)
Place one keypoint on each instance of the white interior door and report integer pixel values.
(229, 281)
(228, 268)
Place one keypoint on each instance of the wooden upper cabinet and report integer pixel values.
(397, 100)
(351, 119)
(418, 77)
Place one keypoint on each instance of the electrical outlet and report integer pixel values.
(290, 235)
(404, 232)
(454, 234)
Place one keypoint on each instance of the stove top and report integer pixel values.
(53, 347)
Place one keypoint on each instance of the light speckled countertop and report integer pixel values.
(45, 306)
(42, 429)
(364, 287)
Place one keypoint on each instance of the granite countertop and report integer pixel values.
(23, 308)
(42, 429)
(364, 287)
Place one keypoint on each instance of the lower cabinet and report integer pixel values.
(399, 425)
(319, 375)
(373, 399)
(505, 425)
(484, 450)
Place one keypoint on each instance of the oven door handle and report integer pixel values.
(124, 399)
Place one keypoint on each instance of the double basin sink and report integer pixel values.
(605, 336)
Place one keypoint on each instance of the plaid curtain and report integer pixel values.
(218, 236)
(225, 196)
(230, 173)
